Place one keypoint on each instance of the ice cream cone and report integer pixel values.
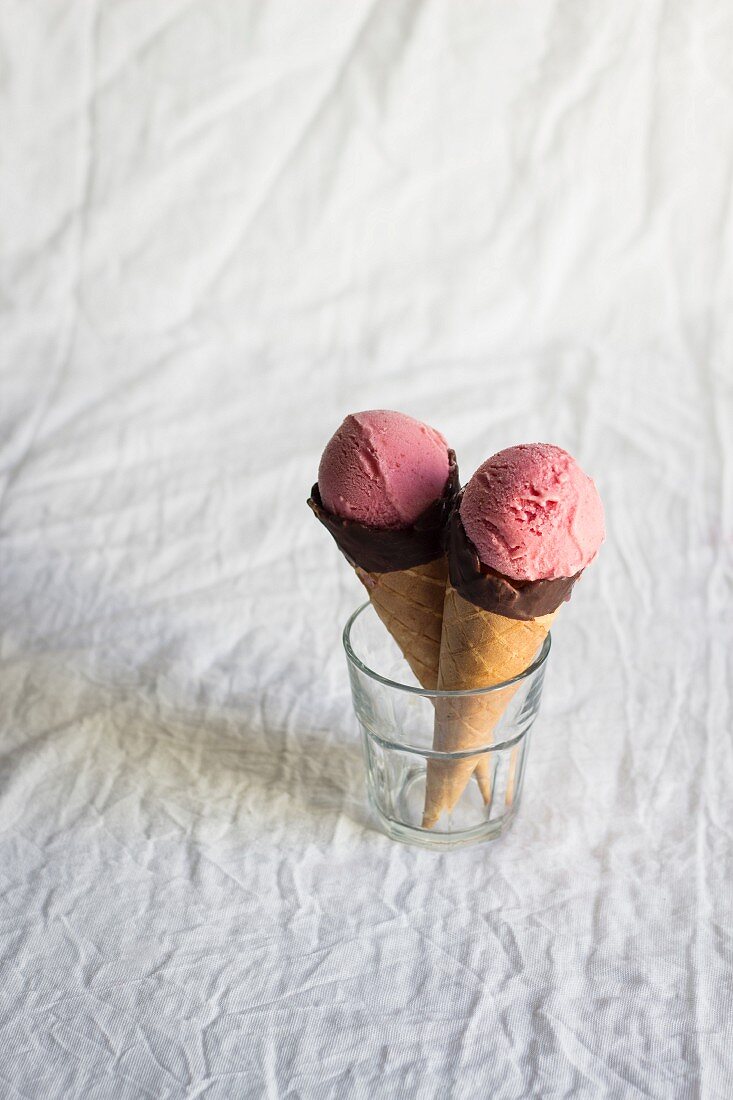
(493, 628)
(521, 533)
(478, 648)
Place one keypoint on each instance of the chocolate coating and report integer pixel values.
(493, 591)
(380, 551)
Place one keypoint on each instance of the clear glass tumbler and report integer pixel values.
(397, 719)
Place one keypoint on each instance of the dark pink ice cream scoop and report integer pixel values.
(533, 514)
(382, 469)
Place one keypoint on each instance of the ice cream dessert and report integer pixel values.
(386, 484)
(383, 469)
(532, 514)
(523, 530)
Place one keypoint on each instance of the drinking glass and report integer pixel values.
(397, 717)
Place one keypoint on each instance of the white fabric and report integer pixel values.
(223, 226)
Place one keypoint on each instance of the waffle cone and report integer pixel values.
(410, 604)
(478, 648)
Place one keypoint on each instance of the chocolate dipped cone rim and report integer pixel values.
(493, 591)
(387, 551)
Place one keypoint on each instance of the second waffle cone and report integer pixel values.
(478, 648)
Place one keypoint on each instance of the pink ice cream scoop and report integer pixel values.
(382, 469)
(533, 514)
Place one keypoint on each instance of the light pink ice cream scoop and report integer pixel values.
(383, 469)
(533, 514)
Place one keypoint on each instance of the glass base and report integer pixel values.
(455, 830)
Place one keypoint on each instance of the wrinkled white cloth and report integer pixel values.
(225, 225)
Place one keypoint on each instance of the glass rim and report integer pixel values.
(435, 693)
